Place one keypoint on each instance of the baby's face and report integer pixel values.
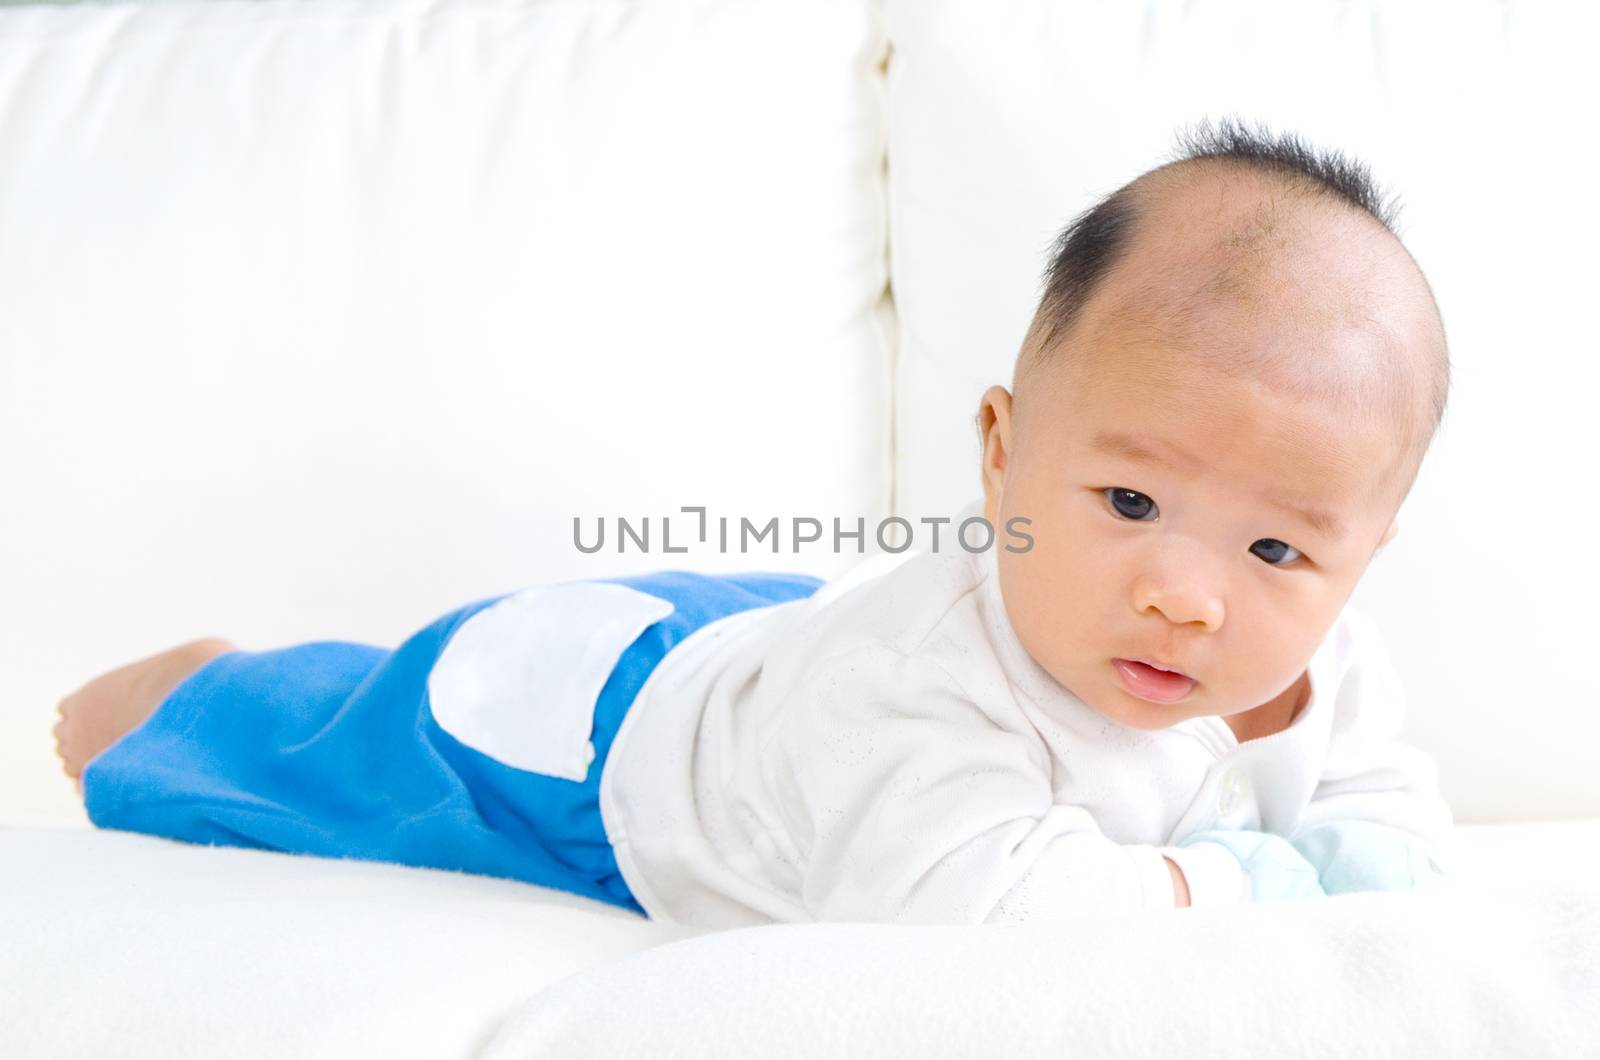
(1191, 514)
(1191, 520)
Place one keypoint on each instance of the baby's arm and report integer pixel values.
(1376, 817)
(907, 803)
(1337, 857)
(1375, 820)
(1271, 869)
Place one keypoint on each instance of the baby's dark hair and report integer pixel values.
(1093, 242)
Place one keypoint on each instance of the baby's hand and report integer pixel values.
(1352, 856)
(1277, 871)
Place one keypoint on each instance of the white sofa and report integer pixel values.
(321, 317)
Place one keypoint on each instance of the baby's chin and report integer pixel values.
(1124, 708)
(1115, 703)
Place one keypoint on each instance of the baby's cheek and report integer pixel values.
(1054, 601)
(1266, 659)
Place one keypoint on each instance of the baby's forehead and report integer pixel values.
(1196, 423)
(1342, 435)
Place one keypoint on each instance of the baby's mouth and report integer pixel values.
(1152, 683)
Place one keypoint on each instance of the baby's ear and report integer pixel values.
(1388, 535)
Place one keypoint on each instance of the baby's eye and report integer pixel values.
(1132, 504)
(1275, 551)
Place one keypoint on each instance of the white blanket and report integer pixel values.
(1369, 975)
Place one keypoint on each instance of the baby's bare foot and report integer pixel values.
(98, 714)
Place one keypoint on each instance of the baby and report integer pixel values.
(1147, 692)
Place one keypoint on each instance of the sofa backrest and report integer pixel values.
(1008, 119)
(319, 318)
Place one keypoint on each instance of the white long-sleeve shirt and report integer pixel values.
(887, 750)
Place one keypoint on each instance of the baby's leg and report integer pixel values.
(98, 714)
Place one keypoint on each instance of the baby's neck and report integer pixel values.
(1273, 716)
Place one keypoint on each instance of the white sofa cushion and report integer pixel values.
(1009, 119)
(1498, 964)
(127, 945)
(319, 318)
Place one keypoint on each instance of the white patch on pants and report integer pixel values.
(518, 680)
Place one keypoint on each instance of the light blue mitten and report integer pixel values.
(1353, 856)
(1277, 871)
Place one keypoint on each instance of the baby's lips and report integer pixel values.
(1157, 665)
(1149, 683)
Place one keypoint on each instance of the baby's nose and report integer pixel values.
(1182, 601)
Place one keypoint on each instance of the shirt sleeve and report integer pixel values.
(911, 805)
(1369, 775)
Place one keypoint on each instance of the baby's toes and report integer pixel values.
(68, 738)
(108, 707)
(92, 719)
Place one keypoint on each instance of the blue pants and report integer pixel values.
(331, 749)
